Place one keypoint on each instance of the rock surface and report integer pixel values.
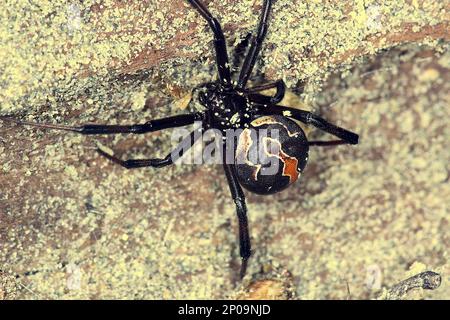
(73, 225)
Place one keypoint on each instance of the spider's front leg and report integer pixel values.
(150, 126)
(241, 211)
(219, 42)
(87, 129)
(255, 47)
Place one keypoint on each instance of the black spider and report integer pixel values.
(231, 105)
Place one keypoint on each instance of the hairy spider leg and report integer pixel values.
(178, 151)
(262, 99)
(150, 126)
(241, 211)
(309, 118)
(255, 47)
(220, 45)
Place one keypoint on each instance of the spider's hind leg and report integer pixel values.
(241, 211)
(175, 154)
(309, 118)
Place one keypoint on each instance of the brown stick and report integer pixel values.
(427, 280)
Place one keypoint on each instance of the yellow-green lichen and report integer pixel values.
(75, 226)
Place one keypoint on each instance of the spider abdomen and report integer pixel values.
(271, 154)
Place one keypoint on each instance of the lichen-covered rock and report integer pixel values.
(73, 225)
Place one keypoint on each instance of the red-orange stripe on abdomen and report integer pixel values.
(290, 166)
(289, 163)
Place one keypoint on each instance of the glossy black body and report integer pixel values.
(229, 105)
(271, 154)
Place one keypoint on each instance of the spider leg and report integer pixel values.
(279, 85)
(253, 52)
(330, 143)
(311, 119)
(150, 126)
(219, 42)
(262, 99)
(179, 150)
(239, 52)
(241, 210)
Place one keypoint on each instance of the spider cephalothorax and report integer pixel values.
(225, 107)
(271, 149)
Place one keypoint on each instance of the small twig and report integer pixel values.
(167, 233)
(349, 295)
(35, 294)
(427, 280)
